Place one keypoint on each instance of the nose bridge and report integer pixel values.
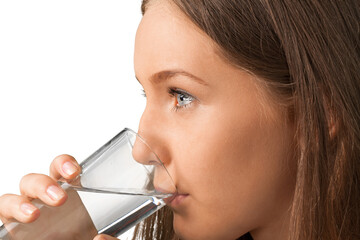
(149, 127)
(145, 123)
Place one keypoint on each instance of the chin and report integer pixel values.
(187, 229)
(183, 228)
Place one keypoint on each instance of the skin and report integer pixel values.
(228, 147)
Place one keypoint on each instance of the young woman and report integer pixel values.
(253, 106)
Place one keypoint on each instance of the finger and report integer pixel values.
(64, 166)
(43, 187)
(17, 207)
(104, 237)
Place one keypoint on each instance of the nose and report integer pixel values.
(142, 153)
(158, 176)
(153, 128)
(150, 148)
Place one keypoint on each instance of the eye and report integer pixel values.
(182, 98)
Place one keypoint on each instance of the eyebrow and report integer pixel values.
(167, 74)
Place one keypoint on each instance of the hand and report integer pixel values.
(38, 186)
(46, 188)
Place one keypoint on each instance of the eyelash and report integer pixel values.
(173, 93)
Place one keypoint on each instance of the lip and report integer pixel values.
(176, 199)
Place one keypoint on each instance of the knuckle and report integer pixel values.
(34, 181)
(5, 200)
(25, 177)
(28, 177)
(63, 157)
(6, 196)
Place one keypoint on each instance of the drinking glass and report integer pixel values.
(120, 184)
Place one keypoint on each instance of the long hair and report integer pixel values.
(307, 54)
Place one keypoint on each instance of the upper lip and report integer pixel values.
(168, 200)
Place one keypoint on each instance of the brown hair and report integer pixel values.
(308, 54)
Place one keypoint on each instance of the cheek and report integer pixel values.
(213, 144)
(232, 164)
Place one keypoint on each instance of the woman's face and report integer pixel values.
(227, 146)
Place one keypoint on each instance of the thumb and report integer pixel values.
(104, 237)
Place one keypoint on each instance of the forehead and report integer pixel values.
(168, 39)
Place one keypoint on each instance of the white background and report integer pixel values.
(67, 83)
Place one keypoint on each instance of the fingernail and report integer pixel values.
(55, 193)
(69, 168)
(101, 237)
(27, 208)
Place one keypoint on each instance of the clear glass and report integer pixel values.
(120, 184)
